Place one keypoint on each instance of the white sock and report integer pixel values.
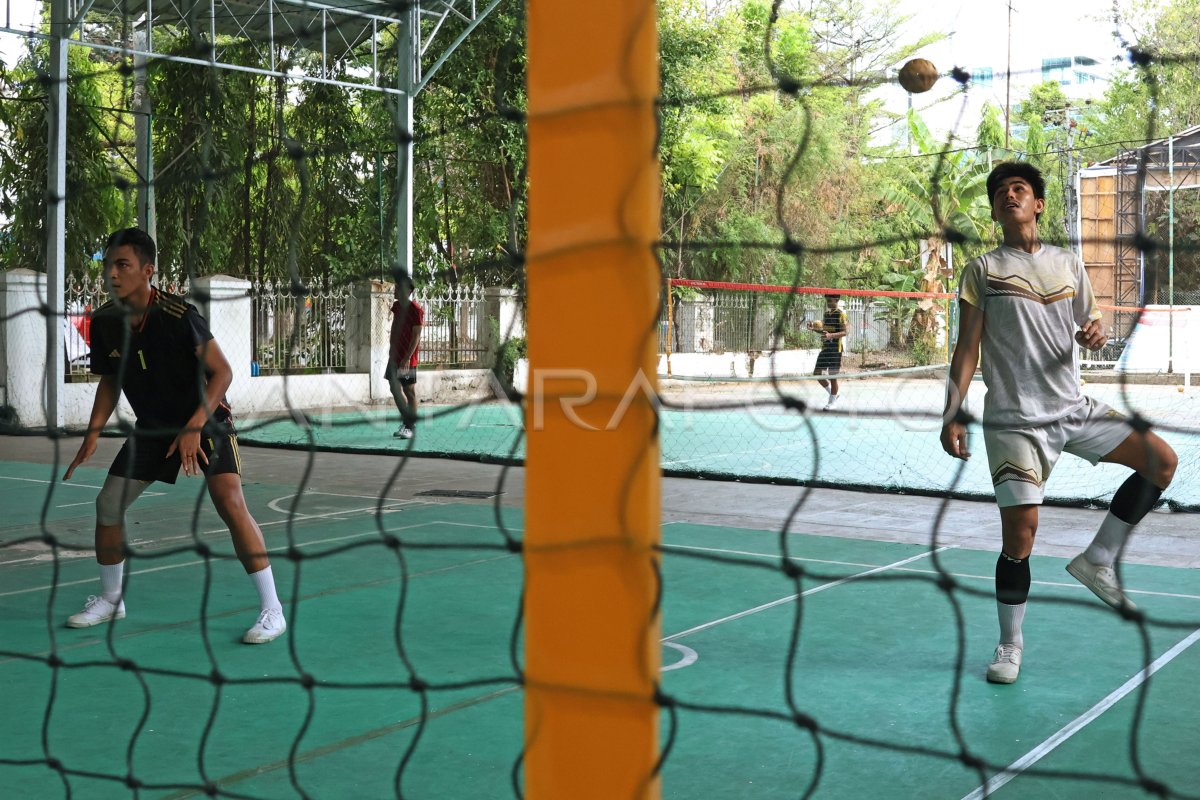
(1011, 618)
(264, 582)
(110, 581)
(1105, 548)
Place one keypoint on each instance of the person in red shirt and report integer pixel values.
(407, 319)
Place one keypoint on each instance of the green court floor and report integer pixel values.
(886, 663)
(757, 443)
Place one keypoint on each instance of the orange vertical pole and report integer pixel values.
(592, 462)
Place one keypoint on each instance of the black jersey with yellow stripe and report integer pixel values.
(835, 321)
(154, 357)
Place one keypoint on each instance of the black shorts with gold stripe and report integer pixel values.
(828, 361)
(144, 455)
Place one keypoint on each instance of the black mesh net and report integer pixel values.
(279, 186)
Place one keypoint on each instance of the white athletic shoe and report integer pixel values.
(1006, 664)
(403, 432)
(95, 611)
(833, 401)
(1101, 580)
(270, 626)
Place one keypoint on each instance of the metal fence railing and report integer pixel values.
(456, 325)
(883, 331)
(1182, 297)
(732, 323)
(454, 334)
(306, 333)
(85, 294)
(299, 332)
(744, 322)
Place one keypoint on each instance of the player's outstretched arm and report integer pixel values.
(103, 407)
(962, 369)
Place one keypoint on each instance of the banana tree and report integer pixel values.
(943, 197)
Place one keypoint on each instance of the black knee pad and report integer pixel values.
(1012, 580)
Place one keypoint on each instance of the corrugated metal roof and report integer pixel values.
(1156, 152)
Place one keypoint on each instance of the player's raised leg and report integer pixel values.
(225, 489)
(1154, 462)
(1019, 526)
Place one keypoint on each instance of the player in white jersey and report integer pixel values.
(1022, 308)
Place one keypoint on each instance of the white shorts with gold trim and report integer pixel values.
(1021, 459)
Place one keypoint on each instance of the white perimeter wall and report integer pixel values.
(229, 310)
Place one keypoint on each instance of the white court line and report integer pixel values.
(275, 552)
(689, 656)
(1072, 585)
(273, 505)
(71, 485)
(775, 556)
(66, 484)
(72, 505)
(806, 593)
(214, 531)
(298, 517)
(369, 497)
(1056, 584)
(42, 558)
(1070, 729)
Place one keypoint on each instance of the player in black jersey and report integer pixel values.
(833, 329)
(158, 350)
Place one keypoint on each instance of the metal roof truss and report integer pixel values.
(343, 37)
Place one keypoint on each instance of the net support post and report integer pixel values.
(143, 136)
(408, 49)
(592, 465)
(670, 324)
(56, 212)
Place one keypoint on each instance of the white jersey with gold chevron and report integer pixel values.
(1032, 305)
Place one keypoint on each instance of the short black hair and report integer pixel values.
(833, 297)
(138, 239)
(1015, 169)
(403, 279)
